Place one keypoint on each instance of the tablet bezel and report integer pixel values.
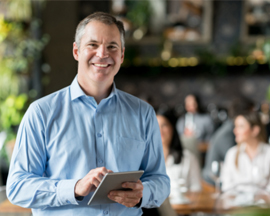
(112, 181)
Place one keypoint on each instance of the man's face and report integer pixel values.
(100, 56)
(191, 104)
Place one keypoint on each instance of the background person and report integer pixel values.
(68, 140)
(223, 138)
(180, 163)
(194, 127)
(249, 161)
(195, 123)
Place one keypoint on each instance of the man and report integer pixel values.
(69, 140)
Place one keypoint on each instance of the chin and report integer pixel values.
(239, 141)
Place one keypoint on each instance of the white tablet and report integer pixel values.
(113, 181)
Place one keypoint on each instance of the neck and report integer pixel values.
(96, 90)
(252, 147)
(166, 152)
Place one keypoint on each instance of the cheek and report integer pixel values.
(117, 58)
(244, 134)
(87, 53)
(164, 133)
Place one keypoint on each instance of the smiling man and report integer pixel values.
(69, 140)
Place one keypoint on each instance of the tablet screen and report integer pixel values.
(113, 181)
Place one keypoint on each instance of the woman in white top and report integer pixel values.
(182, 167)
(249, 161)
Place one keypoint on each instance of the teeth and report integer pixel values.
(101, 65)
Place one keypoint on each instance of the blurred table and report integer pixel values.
(8, 209)
(200, 202)
(203, 201)
(203, 147)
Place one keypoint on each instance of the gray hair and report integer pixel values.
(105, 18)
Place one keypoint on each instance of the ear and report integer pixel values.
(122, 55)
(75, 51)
(256, 130)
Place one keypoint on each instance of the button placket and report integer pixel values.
(99, 140)
(99, 135)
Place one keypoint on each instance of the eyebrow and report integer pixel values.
(111, 43)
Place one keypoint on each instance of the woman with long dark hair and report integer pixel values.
(182, 166)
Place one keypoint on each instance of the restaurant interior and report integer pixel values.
(197, 59)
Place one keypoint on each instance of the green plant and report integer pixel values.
(12, 110)
(139, 12)
(18, 51)
(252, 211)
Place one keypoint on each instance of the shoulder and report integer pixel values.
(204, 117)
(266, 147)
(180, 120)
(50, 102)
(170, 161)
(231, 153)
(53, 97)
(133, 103)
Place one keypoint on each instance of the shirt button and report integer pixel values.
(105, 212)
(68, 201)
(100, 161)
(99, 135)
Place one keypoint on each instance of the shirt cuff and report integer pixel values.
(146, 195)
(65, 192)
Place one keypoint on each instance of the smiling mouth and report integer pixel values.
(101, 65)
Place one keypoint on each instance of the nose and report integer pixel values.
(102, 52)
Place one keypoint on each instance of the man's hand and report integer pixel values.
(90, 182)
(188, 132)
(128, 198)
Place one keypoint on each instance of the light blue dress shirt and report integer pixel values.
(66, 134)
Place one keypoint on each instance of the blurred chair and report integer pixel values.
(166, 209)
(3, 195)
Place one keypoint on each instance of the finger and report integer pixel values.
(129, 202)
(126, 194)
(99, 173)
(103, 171)
(133, 185)
(95, 182)
(97, 176)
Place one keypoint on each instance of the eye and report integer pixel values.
(92, 45)
(111, 47)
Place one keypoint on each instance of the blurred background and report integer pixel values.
(216, 49)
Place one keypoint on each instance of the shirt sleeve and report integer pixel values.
(26, 184)
(155, 180)
(226, 172)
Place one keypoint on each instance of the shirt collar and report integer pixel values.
(113, 92)
(76, 90)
